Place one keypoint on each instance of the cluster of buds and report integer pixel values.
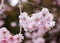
(7, 37)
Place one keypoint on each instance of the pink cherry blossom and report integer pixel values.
(28, 34)
(39, 40)
(41, 20)
(7, 37)
(1, 23)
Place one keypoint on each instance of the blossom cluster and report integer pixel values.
(7, 37)
(42, 20)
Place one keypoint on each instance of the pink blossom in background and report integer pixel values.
(41, 33)
(28, 41)
(13, 24)
(28, 34)
(34, 35)
(1, 23)
(53, 41)
(38, 40)
(56, 2)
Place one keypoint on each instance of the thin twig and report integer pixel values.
(20, 6)
(20, 13)
(37, 5)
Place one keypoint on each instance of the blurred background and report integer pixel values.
(9, 17)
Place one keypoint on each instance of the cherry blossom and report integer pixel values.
(42, 20)
(39, 40)
(28, 34)
(7, 37)
(1, 23)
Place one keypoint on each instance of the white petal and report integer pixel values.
(45, 10)
(13, 2)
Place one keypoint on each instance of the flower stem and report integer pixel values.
(20, 13)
